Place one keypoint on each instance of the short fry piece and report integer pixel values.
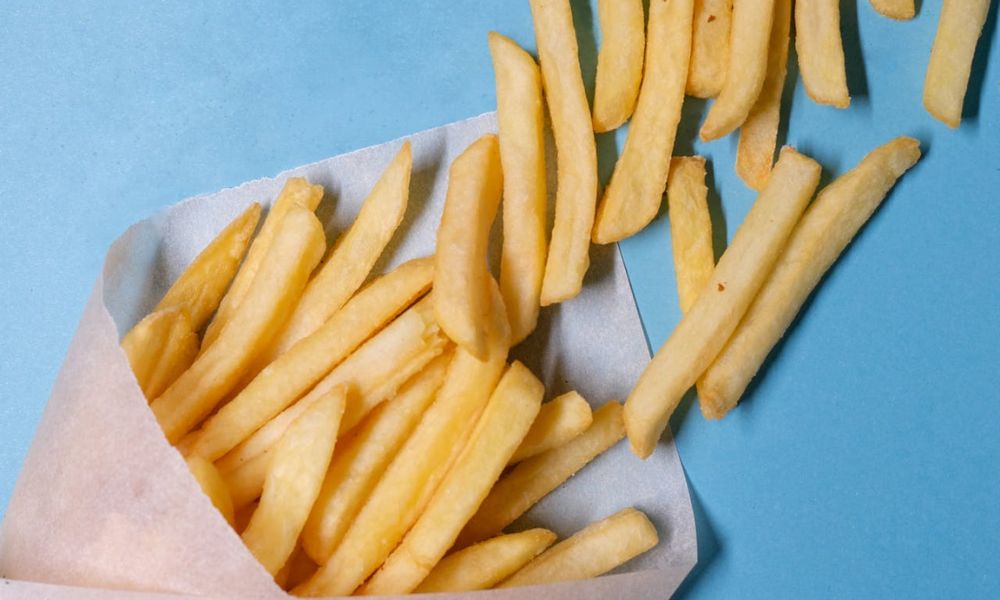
(486, 564)
(901, 10)
(821, 51)
(212, 484)
(709, 47)
(824, 231)
(593, 551)
(619, 62)
(246, 482)
(704, 330)
(690, 227)
(558, 422)
(959, 27)
(159, 348)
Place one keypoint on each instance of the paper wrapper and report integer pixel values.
(105, 502)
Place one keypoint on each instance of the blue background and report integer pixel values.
(863, 462)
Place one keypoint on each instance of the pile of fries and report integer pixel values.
(374, 439)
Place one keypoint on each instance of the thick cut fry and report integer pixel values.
(296, 193)
(619, 63)
(295, 371)
(821, 51)
(535, 477)
(822, 234)
(959, 27)
(486, 564)
(300, 461)
(901, 10)
(499, 431)
(461, 276)
(522, 155)
(354, 255)
(576, 151)
(593, 551)
(746, 70)
(159, 348)
(297, 246)
(709, 47)
(558, 422)
(635, 192)
(759, 133)
(705, 328)
(356, 467)
(690, 227)
(213, 485)
(408, 483)
(246, 482)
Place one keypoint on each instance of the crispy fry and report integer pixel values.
(959, 27)
(901, 10)
(558, 422)
(709, 47)
(705, 328)
(690, 227)
(485, 564)
(246, 482)
(212, 484)
(619, 62)
(159, 348)
(822, 234)
(821, 51)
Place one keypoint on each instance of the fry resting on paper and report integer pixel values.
(709, 47)
(690, 227)
(901, 10)
(486, 564)
(558, 422)
(619, 62)
(821, 51)
(159, 348)
(959, 27)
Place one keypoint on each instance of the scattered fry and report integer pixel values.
(619, 62)
(901, 10)
(558, 422)
(159, 348)
(821, 51)
(709, 47)
(486, 564)
(690, 227)
(212, 484)
(959, 27)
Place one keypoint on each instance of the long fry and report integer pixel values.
(486, 564)
(619, 62)
(821, 51)
(159, 348)
(690, 227)
(558, 422)
(959, 27)
(709, 47)
(901, 10)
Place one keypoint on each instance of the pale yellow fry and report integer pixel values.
(576, 151)
(461, 276)
(534, 478)
(293, 480)
(159, 348)
(759, 133)
(635, 192)
(411, 478)
(901, 10)
(592, 551)
(522, 155)
(824, 231)
(354, 255)
(297, 193)
(483, 565)
(690, 227)
(703, 331)
(746, 70)
(821, 51)
(619, 62)
(296, 249)
(246, 482)
(294, 372)
(213, 485)
(357, 465)
(959, 27)
(709, 47)
(558, 422)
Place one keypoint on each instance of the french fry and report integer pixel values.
(522, 155)
(759, 133)
(246, 482)
(690, 227)
(212, 484)
(297, 193)
(592, 551)
(242, 517)
(558, 422)
(293, 480)
(633, 196)
(959, 27)
(709, 47)
(363, 457)
(486, 564)
(498, 432)
(824, 231)
(705, 328)
(746, 70)
(298, 568)
(821, 51)
(159, 348)
(619, 62)
(901, 10)
(534, 478)
(576, 151)
(461, 276)
(297, 246)
(295, 371)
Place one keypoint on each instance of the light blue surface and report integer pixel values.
(864, 463)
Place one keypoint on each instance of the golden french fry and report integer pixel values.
(246, 482)
(486, 564)
(705, 328)
(709, 47)
(461, 276)
(297, 370)
(824, 231)
(576, 151)
(159, 348)
(592, 551)
(297, 193)
(522, 155)
(535, 477)
(821, 51)
(633, 196)
(901, 10)
(690, 227)
(213, 485)
(293, 480)
(746, 70)
(759, 133)
(619, 62)
(297, 246)
(959, 27)
(558, 422)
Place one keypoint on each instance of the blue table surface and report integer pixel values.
(862, 463)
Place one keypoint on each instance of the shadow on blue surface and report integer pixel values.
(977, 79)
(708, 545)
